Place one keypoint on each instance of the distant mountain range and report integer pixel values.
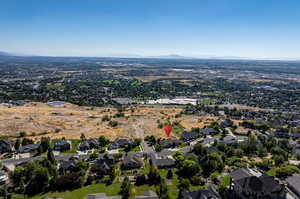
(170, 56)
(4, 54)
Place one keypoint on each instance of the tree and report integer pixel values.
(213, 162)
(50, 156)
(33, 178)
(188, 169)
(278, 159)
(69, 181)
(197, 180)
(112, 175)
(250, 145)
(113, 123)
(82, 137)
(199, 149)
(184, 184)
(17, 144)
(154, 177)
(163, 190)
(45, 143)
(169, 174)
(179, 158)
(137, 141)
(158, 147)
(23, 134)
(126, 189)
(26, 141)
(103, 141)
(286, 170)
(39, 181)
(151, 140)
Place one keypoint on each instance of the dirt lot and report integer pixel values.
(70, 121)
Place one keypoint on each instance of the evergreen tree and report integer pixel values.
(170, 174)
(50, 156)
(126, 189)
(163, 190)
(17, 144)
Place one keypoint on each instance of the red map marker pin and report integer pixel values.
(168, 130)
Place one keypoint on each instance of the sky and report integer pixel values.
(194, 28)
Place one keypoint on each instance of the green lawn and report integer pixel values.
(226, 180)
(272, 172)
(81, 193)
(177, 129)
(208, 102)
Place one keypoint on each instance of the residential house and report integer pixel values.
(120, 143)
(295, 135)
(293, 183)
(209, 131)
(281, 134)
(162, 161)
(231, 139)
(62, 145)
(296, 149)
(226, 124)
(132, 162)
(103, 164)
(84, 146)
(247, 183)
(103, 168)
(30, 148)
(147, 195)
(189, 136)
(209, 193)
(108, 158)
(3, 177)
(208, 141)
(113, 146)
(89, 144)
(67, 165)
(94, 143)
(170, 143)
(6, 146)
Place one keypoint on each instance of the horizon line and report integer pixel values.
(167, 56)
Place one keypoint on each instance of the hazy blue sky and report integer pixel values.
(247, 28)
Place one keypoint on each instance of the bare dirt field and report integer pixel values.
(70, 121)
(156, 77)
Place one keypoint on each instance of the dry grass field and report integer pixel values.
(70, 121)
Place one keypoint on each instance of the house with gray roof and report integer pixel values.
(88, 144)
(132, 162)
(209, 193)
(6, 146)
(247, 183)
(30, 148)
(162, 161)
(209, 131)
(119, 143)
(189, 136)
(62, 145)
(3, 177)
(293, 182)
